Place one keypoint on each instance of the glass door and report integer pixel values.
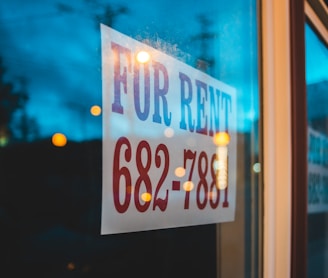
(317, 103)
(91, 133)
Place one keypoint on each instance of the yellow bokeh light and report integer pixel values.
(59, 140)
(221, 139)
(180, 172)
(188, 186)
(146, 197)
(143, 57)
(95, 110)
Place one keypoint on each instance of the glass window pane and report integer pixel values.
(317, 103)
(52, 132)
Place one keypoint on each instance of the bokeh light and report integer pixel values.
(180, 172)
(95, 110)
(71, 266)
(143, 57)
(169, 132)
(221, 139)
(4, 141)
(59, 140)
(257, 167)
(188, 186)
(146, 197)
(212, 195)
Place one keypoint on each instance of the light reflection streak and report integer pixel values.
(221, 140)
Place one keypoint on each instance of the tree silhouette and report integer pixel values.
(110, 13)
(101, 12)
(11, 101)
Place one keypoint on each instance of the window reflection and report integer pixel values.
(50, 95)
(317, 104)
(60, 55)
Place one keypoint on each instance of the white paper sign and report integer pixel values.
(161, 167)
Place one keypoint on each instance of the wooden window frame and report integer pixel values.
(285, 132)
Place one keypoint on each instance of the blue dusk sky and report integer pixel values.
(54, 46)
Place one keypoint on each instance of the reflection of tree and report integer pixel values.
(109, 14)
(25, 126)
(103, 13)
(9, 102)
(12, 101)
(317, 100)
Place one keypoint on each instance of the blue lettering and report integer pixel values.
(141, 115)
(118, 76)
(185, 102)
(214, 111)
(201, 86)
(160, 93)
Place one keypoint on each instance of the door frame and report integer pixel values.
(285, 132)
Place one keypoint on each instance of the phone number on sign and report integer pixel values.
(146, 192)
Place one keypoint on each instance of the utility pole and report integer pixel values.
(205, 61)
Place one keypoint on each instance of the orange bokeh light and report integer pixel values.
(188, 186)
(95, 110)
(146, 197)
(59, 140)
(221, 138)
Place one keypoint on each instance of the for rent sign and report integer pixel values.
(169, 140)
